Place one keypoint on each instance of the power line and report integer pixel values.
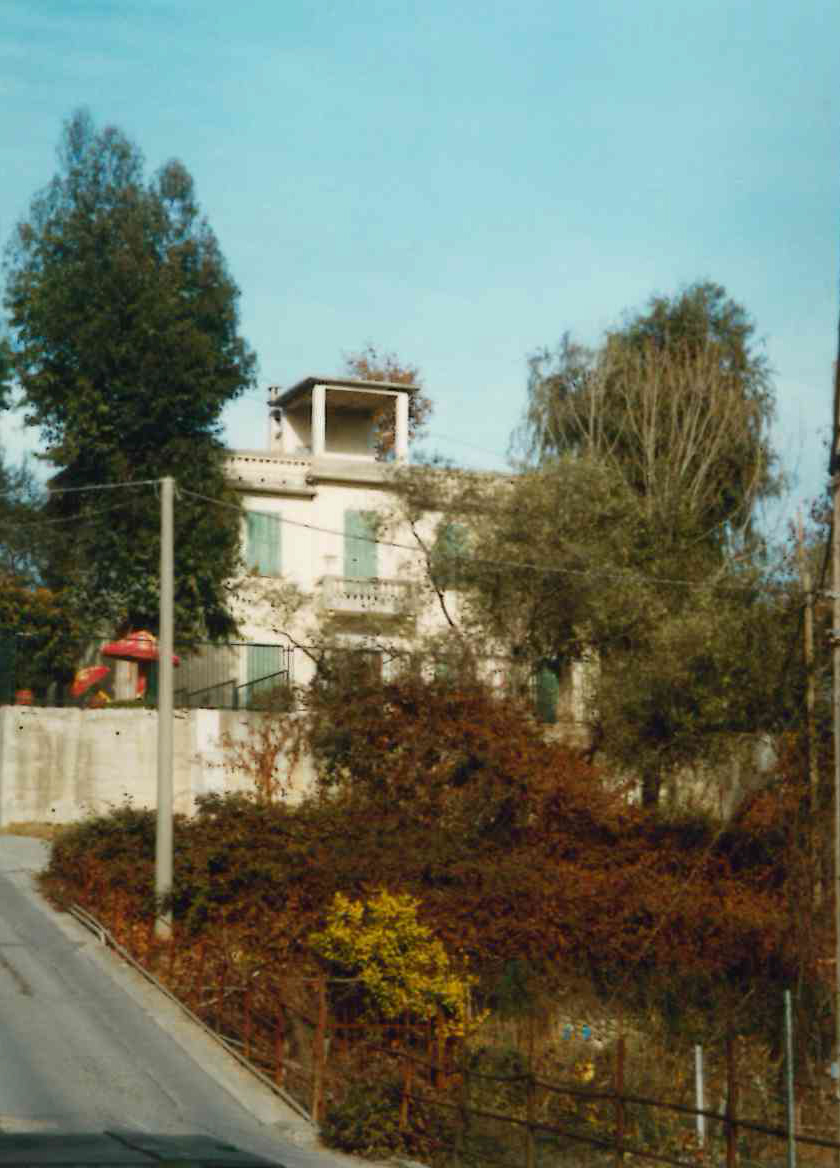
(516, 565)
(513, 565)
(103, 486)
(64, 520)
(460, 442)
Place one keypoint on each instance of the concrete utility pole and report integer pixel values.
(163, 837)
(834, 469)
(810, 708)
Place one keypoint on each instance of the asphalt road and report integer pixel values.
(87, 1045)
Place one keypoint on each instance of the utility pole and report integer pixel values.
(834, 471)
(163, 835)
(810, 708)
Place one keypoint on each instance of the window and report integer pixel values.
(449, 549)
(263, 543)
(360, 548)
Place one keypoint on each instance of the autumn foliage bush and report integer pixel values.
(514, 849)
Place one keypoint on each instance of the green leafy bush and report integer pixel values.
(366, 1120)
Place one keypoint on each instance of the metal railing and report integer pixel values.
(242, 675)
(236, 675)
(267, 693)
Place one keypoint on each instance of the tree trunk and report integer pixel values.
(651, 786)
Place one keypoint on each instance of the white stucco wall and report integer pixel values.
(312, 551)
(312, 547)
(57, 765)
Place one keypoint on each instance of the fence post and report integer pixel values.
(530, 1147)
(731, 1104)
(198, 978)
(246, 1004)
(700, 1095)
(279, 1068)
(464, 1108)
(320, 1051)
(171, 956)
(789, 1091)
(619, 1100)
(408, 1067)
(531, 1099)
(221, 1006)
(440, 1049)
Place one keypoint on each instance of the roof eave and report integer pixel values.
(288, 396)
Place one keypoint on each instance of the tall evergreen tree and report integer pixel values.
(126, 348)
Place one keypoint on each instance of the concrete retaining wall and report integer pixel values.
(58, 765)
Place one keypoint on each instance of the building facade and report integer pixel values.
(316, 505)
(327, 556)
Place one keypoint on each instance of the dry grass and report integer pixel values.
(32, 829)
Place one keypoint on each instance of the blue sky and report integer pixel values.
(463, 182)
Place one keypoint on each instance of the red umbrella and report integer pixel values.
(87, 677)
(139, 646)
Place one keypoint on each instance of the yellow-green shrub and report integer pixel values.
(400, 966)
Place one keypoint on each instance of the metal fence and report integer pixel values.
(35, 670)
(539, 1103)
(235, 675)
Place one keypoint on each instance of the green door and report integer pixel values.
(547, 694)
(360, 559)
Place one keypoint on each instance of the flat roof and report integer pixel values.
(288, 396)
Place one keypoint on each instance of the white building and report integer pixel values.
(314, 502)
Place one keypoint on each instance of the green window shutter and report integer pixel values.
(360, 559)
(547, 695)
(263, 544)
(449, 549)
(263, 662)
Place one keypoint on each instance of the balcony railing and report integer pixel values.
(341, 594)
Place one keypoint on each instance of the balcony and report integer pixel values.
(256, 471)
(344, 596)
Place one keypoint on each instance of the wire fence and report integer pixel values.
(476, 1102)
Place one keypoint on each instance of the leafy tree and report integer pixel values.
(38, 638)
(619, 546)
(676, 402)
(126, 349)
(627, 536)
(373, 364)
(564, 566)
(24, 538)
(699, 316)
